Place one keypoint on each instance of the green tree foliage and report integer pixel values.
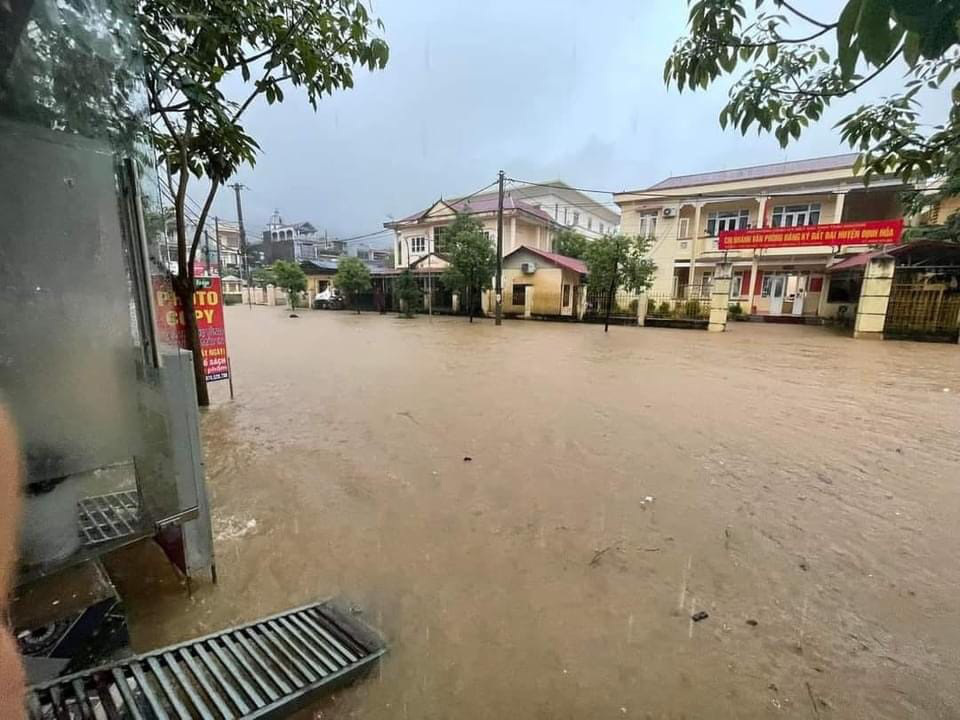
(291, 278)
(353, 278)
(570, 243)
(796, 65)
(473, 261)
(408, 291)
(619, 261)
(261, 277)
(192, 51)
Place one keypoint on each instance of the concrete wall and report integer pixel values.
(547, 282)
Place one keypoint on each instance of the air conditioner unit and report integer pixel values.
(527, 268)
(668, 212)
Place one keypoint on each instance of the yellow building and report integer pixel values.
(684, 215)
(540, 283)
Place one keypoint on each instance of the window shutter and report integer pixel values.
(745, 286)
(816, 284)
(758, 286)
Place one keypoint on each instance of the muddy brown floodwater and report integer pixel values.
(798, 486)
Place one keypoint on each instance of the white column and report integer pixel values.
(874, 297)
(513, 234)
(838, 208)
(761, 210)
(753, 281)
(720, 297)
(698, 232)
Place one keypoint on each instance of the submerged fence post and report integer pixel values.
(642, 308)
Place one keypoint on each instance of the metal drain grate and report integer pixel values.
(261, 670)
(109, 517)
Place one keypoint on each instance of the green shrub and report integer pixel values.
(634, 306)
(651, 307)
(690, 309)
(735, 309)
(232, 298)
(664, 309)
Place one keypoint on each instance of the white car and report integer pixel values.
(329, 299)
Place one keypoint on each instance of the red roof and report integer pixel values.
(574, 264)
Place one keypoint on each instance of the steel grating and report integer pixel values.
(264, 669)
(108, 517)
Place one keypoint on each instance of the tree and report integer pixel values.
(353, 277)
(473, 260)
(616, 261)
(190, 50)
(570, 243)
(261, 277)
(291, 278)
(408, 292)
(793, 76)
(619, 261)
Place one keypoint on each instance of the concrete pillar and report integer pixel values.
(698, 232)
(427, 302)
(720, 297)
(528, 302)
(456, 302)
(513, 234)
(642, 308)
(271, 295)
(874, 296)
(581, 308)
(753, 281)
(838, 209)
(761, 210)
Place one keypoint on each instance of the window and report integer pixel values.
(736, 284)
(486, 235)
(648, 224)
(601, 228)
(566, 295)
(683, 230)
(438, 239)
(576, 218)
(399, 251)
(519, 295)
(844, 288)
(717, 222)
(589, 223)
(418, 244)
(794, 215)
(565, 216)
(767, 287)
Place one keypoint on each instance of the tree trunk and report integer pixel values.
(184, 290)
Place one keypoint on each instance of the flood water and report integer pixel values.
(798, 486)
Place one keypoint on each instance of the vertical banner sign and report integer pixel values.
(208, 307)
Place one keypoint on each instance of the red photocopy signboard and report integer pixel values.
(208, 308)
(874, 232)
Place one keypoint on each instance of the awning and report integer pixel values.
(917, 254)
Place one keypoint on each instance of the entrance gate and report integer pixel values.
(924, 305)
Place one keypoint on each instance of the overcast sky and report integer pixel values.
(542, 89)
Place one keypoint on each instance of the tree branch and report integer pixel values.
(853, 88)
(778, 41)
(809, 19)
(202, 220)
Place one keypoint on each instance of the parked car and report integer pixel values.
(329, 299)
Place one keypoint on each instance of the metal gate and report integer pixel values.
(924, 307)
(264, 669)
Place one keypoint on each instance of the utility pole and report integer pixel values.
(237, 187)
(499, 280)
(216, 231)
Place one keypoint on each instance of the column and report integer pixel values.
(874, 296)
(761, 210)
(838, 208)
(582, 302)
(698, 232)
(720, 297)
(513, 235)
(528, 302)
(642, 308)
(456, 302)
(753, 281)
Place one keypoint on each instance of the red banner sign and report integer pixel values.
(876, 232)
(208, 308)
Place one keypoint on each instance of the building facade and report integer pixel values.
(569, 208)
(684, 215)
(296, 241)
(420, 235)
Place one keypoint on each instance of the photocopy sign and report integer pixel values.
(877, 232)
(208, 309)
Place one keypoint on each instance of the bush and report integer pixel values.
(651, 307)
(690, 309)
(735, 310)
(232, 298)
(634, 306)
(664, 308)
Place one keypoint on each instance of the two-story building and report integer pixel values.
(570, 208)
(684, 215)
(420, 234)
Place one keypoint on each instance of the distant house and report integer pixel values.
(297, 241)
(570, 208)
(421, 234)
(550, 284)
(207, 253)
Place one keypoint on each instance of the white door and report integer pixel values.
(776, 294)
(800, 294)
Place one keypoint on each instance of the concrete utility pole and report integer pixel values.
(237, 187)
(216, 231)
(499, 280)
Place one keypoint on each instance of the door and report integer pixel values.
(800, 292)
(776, 294)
